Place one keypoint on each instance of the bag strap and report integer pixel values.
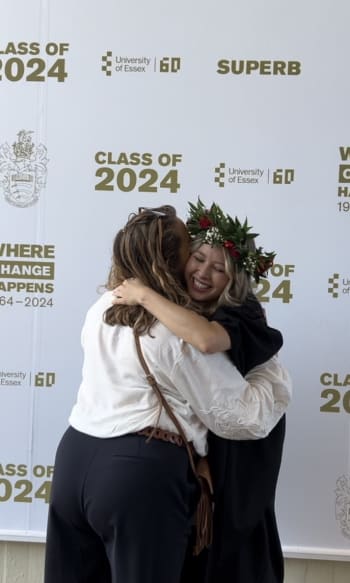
(204, 512)
(162, 400)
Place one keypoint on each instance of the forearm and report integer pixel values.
(195, 329)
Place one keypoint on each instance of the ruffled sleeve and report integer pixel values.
(229, 405)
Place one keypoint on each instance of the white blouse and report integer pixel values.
(204, 390)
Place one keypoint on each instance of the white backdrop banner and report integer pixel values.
(109, 106)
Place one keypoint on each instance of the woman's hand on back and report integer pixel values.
(130, 292)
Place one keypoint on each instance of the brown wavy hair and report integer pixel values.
(148, 247)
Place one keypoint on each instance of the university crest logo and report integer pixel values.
(342, 504)
(23, 170)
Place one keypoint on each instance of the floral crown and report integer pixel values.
(215, 228)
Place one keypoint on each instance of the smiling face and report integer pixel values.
(205, 273)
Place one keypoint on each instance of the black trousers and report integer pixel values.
(120, 511)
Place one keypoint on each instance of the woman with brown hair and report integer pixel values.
(122, 502)
(223, 264)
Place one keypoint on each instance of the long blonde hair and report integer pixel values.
(239, 285)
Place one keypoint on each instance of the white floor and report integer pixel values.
(23, 562)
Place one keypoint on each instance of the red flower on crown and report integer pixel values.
(232, 249)
(205, 222)
(264, 265)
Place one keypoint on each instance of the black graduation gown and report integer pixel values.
(246, 546)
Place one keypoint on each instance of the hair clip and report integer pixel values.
(151, 210)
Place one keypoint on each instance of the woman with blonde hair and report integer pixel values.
(123, 493)
(223, 265)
